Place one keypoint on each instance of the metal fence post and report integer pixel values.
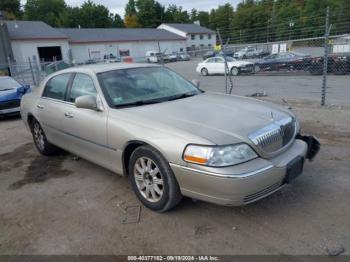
(31, 71)
(325, 59)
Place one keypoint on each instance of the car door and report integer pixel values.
(86, 128)
(219, 65)
(210, 65)
(50, 109)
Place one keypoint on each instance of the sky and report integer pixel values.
(117, 6)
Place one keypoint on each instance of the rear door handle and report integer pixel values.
(40, 106)
(68, 115)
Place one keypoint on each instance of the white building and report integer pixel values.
(95, 44)
(36, 39)
(197, 37)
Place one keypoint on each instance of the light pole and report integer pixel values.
(291, 24)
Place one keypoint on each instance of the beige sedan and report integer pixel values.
(169, 137)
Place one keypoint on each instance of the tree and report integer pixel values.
(130, 8)
(203, 18)
(89, 15)
(131, 21)
(48, 11)
(146, 13)
(118, 21)
(175, 14)
(11, 8)
(94, 16)
(194, 15)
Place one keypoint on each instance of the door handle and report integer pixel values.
(40, 106)
(68, 115)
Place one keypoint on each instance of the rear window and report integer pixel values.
(56, 87)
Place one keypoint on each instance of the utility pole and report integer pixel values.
(325, 58)
(223, 49)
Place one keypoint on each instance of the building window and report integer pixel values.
(209, 36)
(201, 37)
(209, 45)
(193, 37)
(181, 49)
(124, 52)
(193, 47)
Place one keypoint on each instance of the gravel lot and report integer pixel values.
(64, 205)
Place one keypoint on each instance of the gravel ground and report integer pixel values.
(64, 205)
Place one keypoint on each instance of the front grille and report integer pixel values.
(274, 136)
(261, 193)
(10, 104)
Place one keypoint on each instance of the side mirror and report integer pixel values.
(86, 102)
(196, 83)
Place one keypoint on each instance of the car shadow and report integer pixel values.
(10, 117)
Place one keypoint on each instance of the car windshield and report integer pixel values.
(8, 83)
(144, 85)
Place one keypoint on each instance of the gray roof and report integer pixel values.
(86, 35)
(23, 30)
(191, 28)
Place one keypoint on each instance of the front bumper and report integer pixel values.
(241, 184)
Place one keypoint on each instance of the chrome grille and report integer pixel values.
(274, 136)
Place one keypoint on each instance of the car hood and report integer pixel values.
(7, 95)
(221, 119)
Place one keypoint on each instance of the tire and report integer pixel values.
(204, 72)
(234, 71)
(43, 146)
(158, 191)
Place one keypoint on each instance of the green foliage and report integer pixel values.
(175, 14)
(11, 8)
(130, 8)
(47, 11)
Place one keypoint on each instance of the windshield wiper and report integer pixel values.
(184, 95)
(139, 103)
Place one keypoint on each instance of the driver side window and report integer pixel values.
(82, 85)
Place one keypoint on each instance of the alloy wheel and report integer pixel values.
(39, 136)
(149, 180)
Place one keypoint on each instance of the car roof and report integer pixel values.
(100, 68)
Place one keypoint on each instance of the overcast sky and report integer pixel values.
(117, 6)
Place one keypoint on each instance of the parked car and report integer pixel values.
(170, 57)
(284, 60)
(216, 65)
(111, 58)
(11, 93)
(227, 53)
(183, 56)
(250, 52)
(153, 56)
(169, 137)
(338, 64)
(209, 54)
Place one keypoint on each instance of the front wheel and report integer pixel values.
(204, 72)
(234, 71)
(153, 180)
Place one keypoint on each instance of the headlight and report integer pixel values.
(218, 156)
